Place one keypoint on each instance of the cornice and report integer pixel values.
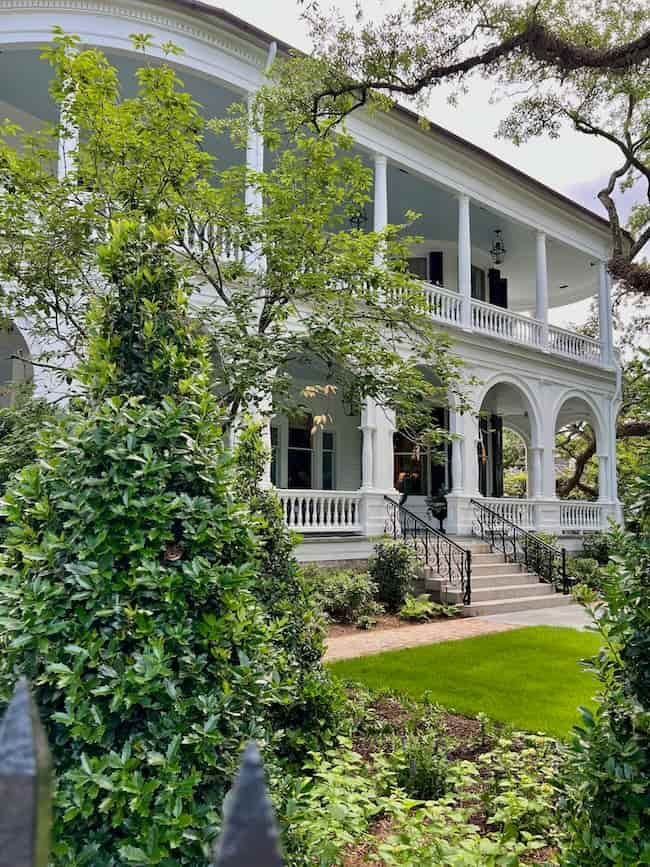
(192, 26)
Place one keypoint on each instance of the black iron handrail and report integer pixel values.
(521, 546)
(432, 547)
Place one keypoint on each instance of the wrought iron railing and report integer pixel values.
(521, 546)
(432, 548)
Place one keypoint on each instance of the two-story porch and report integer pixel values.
(497, 284)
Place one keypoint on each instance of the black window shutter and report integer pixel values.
(436, 275)
(498, 288)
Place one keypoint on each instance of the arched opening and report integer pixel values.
(515, 464)
(579, 470)
(422, 464)
(507, 427)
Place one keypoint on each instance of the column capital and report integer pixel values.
(540, 234)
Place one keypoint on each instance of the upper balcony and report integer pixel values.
(552, 255)
(513, 274)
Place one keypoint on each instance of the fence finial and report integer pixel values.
(250, 833)
(25, 784)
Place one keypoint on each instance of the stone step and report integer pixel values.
(504, 580)
(472, 544)
(510, 591)
(483, 569)
(522, 603)
(486, 559)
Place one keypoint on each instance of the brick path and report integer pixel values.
(367, 643)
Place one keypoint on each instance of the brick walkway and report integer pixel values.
(367, 643)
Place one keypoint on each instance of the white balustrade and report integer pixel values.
(574, 345)
(198, 238)
(441, 304)
(499, 322)
(519, 512)
(577, 516)
(310, 511)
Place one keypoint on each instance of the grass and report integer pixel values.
(529, 678)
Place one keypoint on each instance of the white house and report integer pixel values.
(534, 377)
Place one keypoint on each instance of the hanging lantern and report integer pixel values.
(498, 249)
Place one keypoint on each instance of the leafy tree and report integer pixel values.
(608, 788)
(586, 64)
(303, 284)
(128, 584)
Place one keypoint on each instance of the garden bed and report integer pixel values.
(487, 789)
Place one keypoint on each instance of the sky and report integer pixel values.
(573, 164)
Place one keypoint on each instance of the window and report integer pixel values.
(478, 283)
(275, 455)
(418, 267)
(328, 462)
(299, 453)
(410, 475)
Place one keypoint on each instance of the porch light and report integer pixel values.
(498, 250)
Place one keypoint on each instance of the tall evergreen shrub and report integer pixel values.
(128, 585)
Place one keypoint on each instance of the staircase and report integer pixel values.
(501, 568)
(498, 586)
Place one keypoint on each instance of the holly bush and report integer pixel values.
(127, 585)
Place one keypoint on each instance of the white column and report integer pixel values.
(603, 479)
(457, 427)
(252, 196)
(380, 198)
(368, 429)
(68, 140)
(383, 452)
(605, 315)
(465, 260)
(541, 285)
(470, 455)
(535, 454)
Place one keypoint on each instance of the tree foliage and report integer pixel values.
(583, 63)
(276, 274)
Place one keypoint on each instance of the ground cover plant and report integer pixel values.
(415, 785)
(530, 678)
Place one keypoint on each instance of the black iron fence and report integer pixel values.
(250, 834)
(521, 546)
(433, 548)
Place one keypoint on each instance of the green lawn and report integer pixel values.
(530, 678)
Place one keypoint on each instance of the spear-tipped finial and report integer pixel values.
(25, 784)
(250, 833)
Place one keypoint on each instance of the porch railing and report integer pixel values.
(519, 511)
(445, 306)
(432, 548)
(249, 835)
(578, 516)
(309, 511)
(521, 546)
(199, 237)
(505, 324)
(573, 345)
